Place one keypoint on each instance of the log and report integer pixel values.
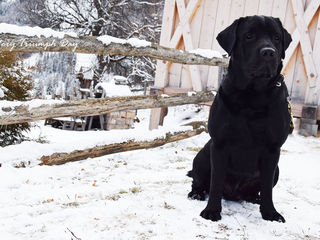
(78, 155)
(92, 107)
(91, 45)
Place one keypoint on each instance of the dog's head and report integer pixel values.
(256, 45)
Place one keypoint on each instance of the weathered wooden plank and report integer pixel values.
(161, 76)
(313, 28)
(316, 54)
(78, 155)
(289, 72)
(91, 107)
(207, 33)
(175, 68)
(289, 24)
(162, 70)
(265, 7)
(208, 24)
(308, 15)
(182, 39)
(237, 10)
(289, 62)
(185, 18)
(313, 93)
(279, 9)
(187, 79)
(300, 83)
(173, 90)
(305, 42)
(223, 13)
(186, 13)
(251, 7)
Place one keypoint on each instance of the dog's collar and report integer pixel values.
(279, 81)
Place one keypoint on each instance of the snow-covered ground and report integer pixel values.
(143, 194)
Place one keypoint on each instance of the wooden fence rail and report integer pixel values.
(98, 151)
(92, 45)
(91, 107)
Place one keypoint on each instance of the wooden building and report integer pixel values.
(85, 77)
(193, 24)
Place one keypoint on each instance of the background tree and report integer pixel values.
(54, 74)
(16, 85)
(119, 18)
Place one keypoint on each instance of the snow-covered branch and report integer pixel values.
(27, 39)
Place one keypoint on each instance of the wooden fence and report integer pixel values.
(15, 112)
(24, 112)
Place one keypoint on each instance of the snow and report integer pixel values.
(142, 194)
(190, 94)
(106, 39)
(207, 53)
(33, 31)
(86, 61)
(84, 90)
(34, 103)
(1, 93)
(132, 41)
(135, 42)
(110, 89)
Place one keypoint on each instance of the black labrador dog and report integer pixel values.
(249, 120)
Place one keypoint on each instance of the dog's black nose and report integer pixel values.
(268, 53)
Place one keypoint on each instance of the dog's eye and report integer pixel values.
(277, 37)
(249, 36)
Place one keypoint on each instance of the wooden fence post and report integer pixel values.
(308, 121)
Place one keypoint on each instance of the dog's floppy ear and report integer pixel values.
(227, 38)
(286, 38)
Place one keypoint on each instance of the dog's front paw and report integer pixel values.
(195, 195)
(272, 216)
(210, 214)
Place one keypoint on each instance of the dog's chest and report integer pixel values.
(259, 118)
(263, 124)
(247, 120)
(257, 122)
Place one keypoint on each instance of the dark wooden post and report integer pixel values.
(308, 122)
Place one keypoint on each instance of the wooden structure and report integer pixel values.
(112, 120)
(85, 77)
(67, 123)
(109, 121)
(192, 24)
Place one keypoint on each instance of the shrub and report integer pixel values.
(15, 84)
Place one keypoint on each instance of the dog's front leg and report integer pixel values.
(218, 171)
(268, 165)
